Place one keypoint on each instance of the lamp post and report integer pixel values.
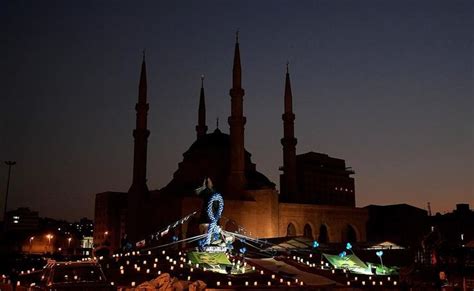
(49, 237)
(69, 244)
(31, 241)
(9, 164)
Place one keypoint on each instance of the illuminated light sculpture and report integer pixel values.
(315, 244)
(214, 229)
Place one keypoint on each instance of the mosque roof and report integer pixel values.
(209, 157)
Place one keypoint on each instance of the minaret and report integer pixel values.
(236, 122)
(201, 128)
(288, 185)
(138, 192)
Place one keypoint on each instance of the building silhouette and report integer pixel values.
(316, 199)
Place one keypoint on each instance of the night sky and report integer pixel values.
(385, 85)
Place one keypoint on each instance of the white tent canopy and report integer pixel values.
(386, 245)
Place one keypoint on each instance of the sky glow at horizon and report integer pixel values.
(387, 86)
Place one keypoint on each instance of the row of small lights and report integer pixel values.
(174, 262)
(301, 260)
(235, 263)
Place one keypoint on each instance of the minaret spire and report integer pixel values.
(237, 121)
(138, 192)
(201, 128)
(142, 86)
(288, 186)
(237, 69)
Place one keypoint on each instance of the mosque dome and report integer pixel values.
(209, 156)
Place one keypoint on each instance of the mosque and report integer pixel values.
(316, 197)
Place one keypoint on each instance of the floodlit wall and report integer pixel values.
(335, 218)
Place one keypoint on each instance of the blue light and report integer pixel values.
(379, 254)
(342, 254)
(348, 246)
(243, 250)
(315, 244)
(214, 229)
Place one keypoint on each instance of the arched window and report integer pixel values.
(308, 231)
(323, 234)
(291, 230)
(350, 234)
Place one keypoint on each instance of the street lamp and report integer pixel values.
(49, 237)
(9, 164)
(69, 242)
(31, 241)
